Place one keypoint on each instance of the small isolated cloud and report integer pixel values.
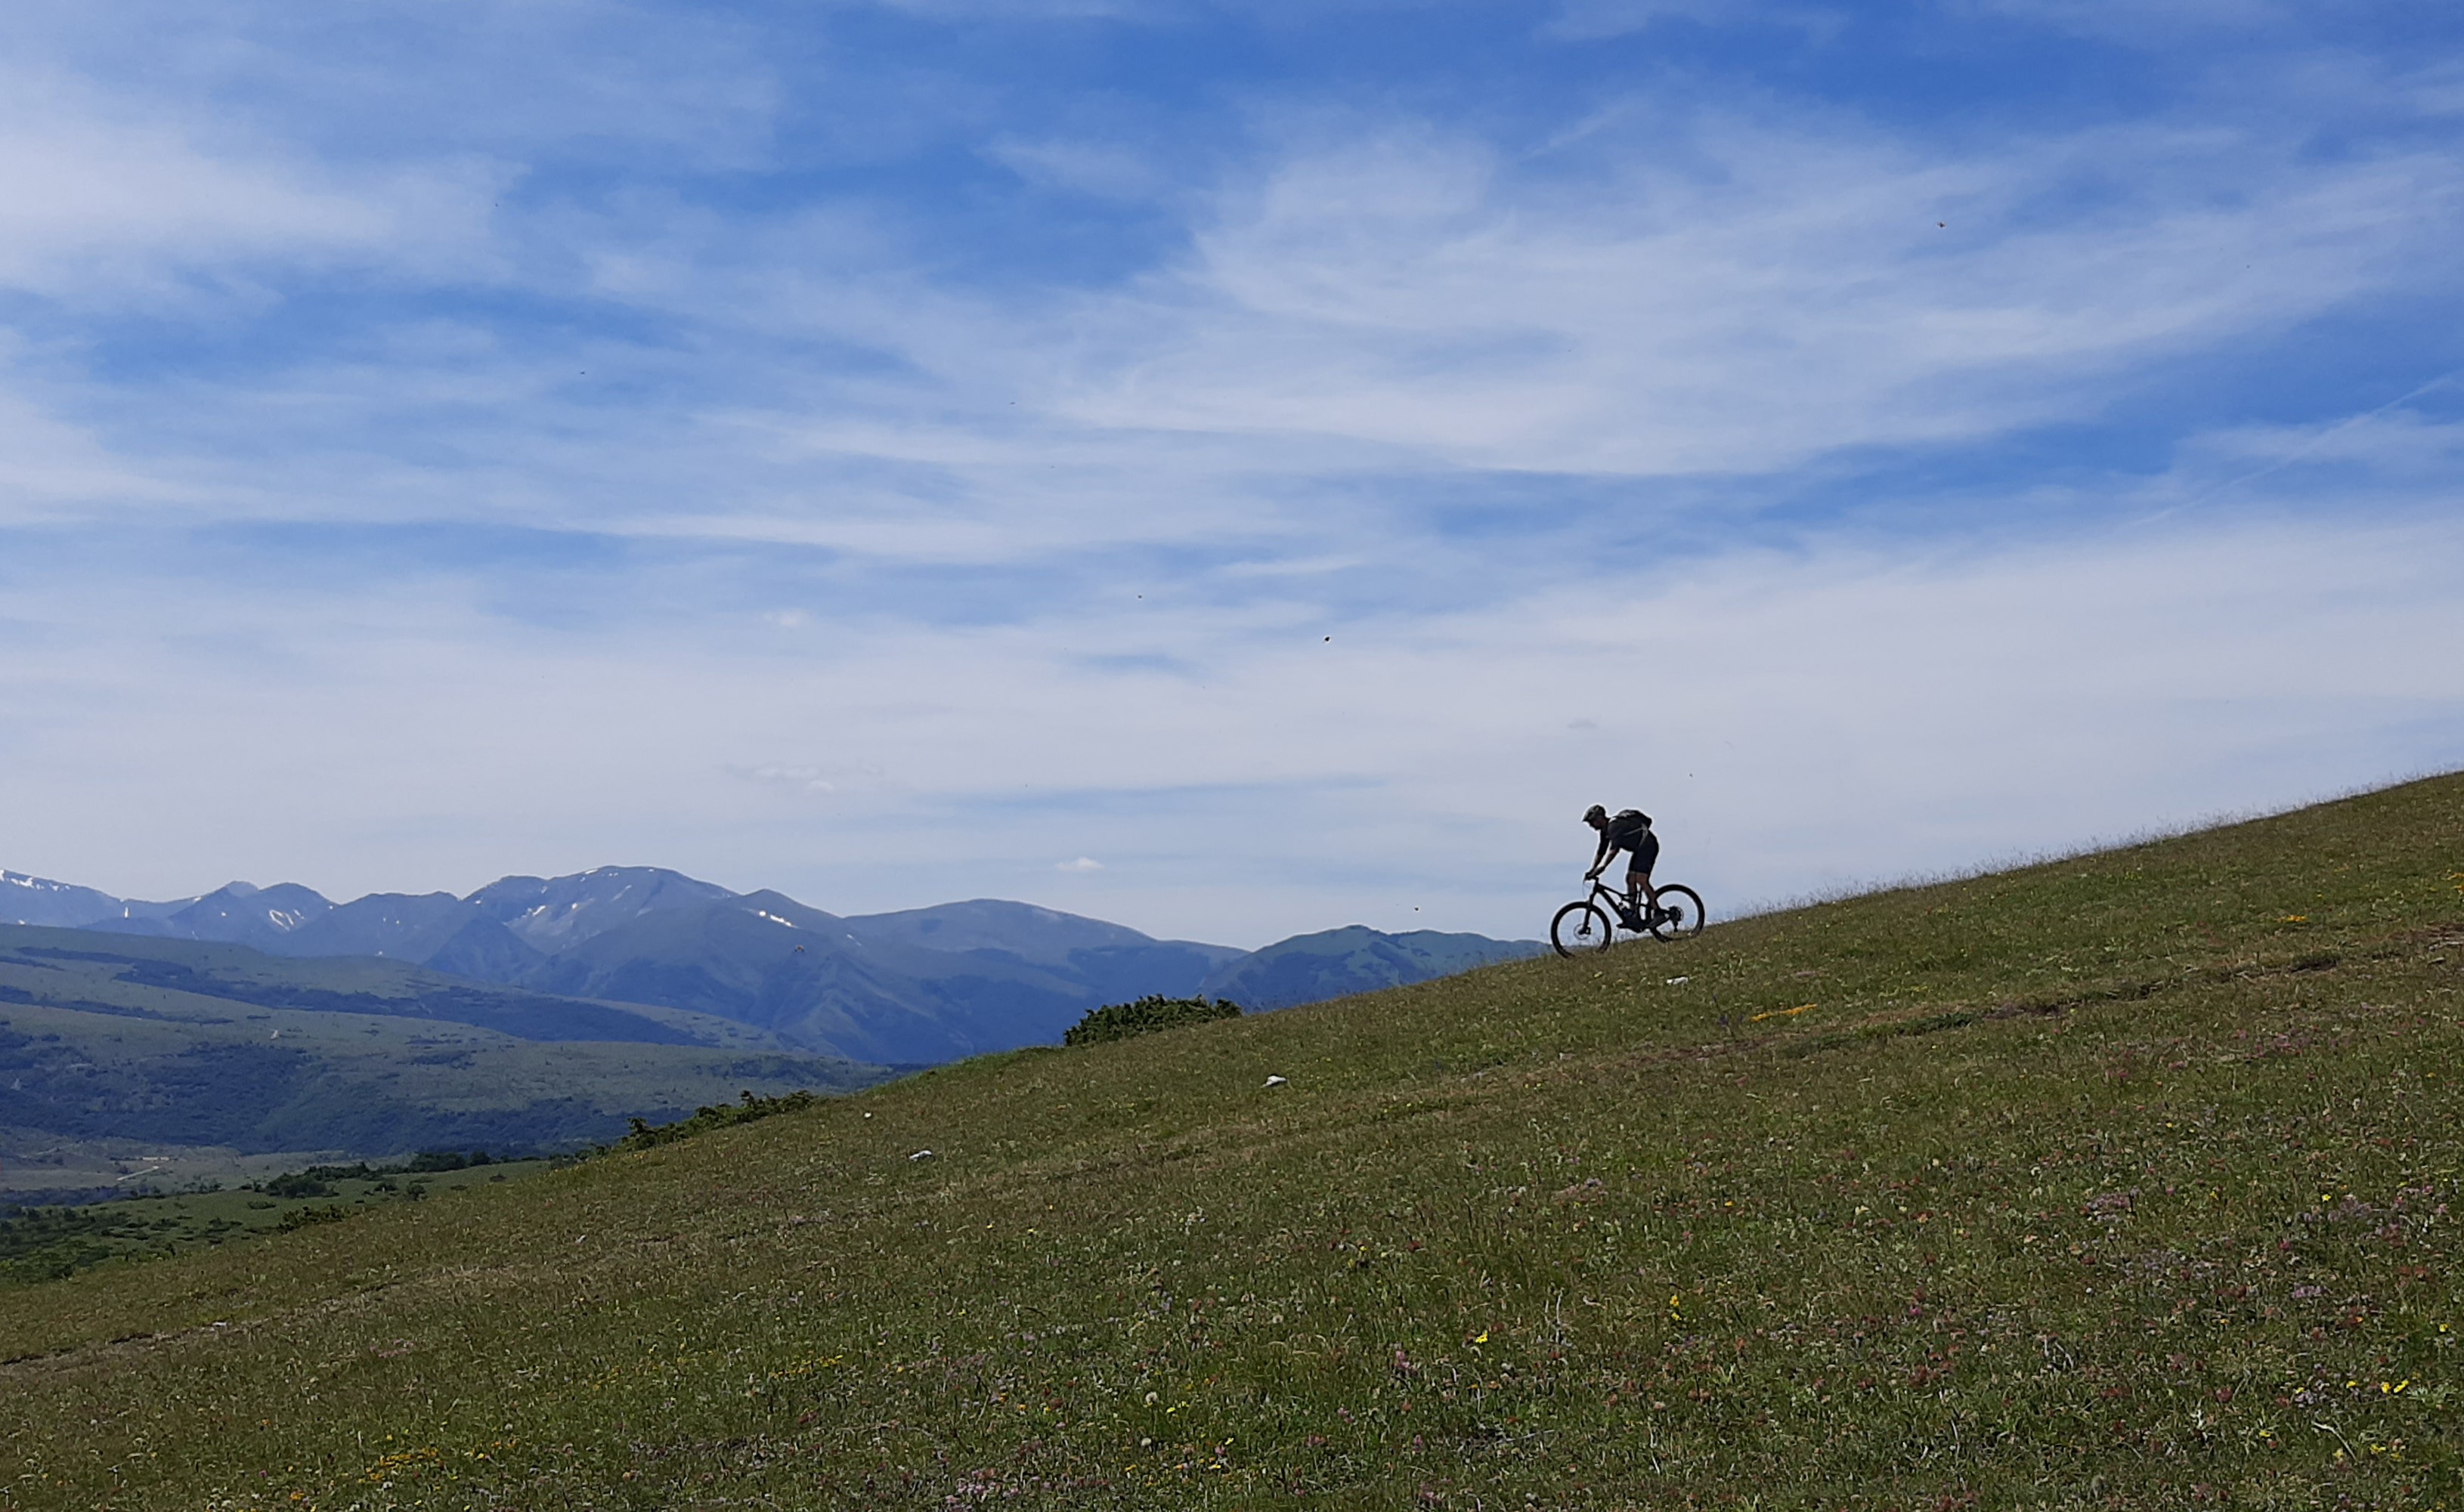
(800, 778)
(787, 619)
(1591, 20)
(1082, 863)
(108, 192)
(2143, 24)
(1104, 170)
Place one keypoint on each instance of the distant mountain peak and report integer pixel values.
(242, 913)
(553, 913)
(39, 900)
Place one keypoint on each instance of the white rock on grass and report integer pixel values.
(921, 1155)
(1274, 1081)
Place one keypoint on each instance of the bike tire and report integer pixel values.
(1680, 913)
(1581, 928)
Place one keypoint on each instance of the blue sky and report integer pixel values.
(1229, 470)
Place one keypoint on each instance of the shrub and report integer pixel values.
(361, 1172)
(1146, 1015)
(47, 1244)
(645, 1134)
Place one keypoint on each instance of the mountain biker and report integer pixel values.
(1629, 831)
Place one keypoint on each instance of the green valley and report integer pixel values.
(128, 1063)
(48, 1244)
(2122, 1180)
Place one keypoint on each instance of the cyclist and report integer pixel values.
(1629, 831)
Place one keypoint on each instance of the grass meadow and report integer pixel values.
(46, 1243)
(2118, 1181)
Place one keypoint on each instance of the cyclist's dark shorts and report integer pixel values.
(1644, 855)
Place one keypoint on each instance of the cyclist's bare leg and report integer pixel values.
(1639, 890)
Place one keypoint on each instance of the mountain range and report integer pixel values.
(916, 987)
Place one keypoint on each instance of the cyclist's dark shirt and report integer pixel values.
(1628, 831)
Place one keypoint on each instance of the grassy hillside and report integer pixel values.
(2119, 1182)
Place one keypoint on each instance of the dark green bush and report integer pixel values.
(645, 1134)
(47, 1244)
(1146, 1015)
(358, 1171)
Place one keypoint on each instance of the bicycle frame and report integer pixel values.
(1635, 919)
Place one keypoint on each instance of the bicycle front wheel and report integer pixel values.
(1580, 927)
(1680, 913)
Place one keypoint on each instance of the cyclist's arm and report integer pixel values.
(1602, 858)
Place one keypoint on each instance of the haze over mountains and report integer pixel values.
(915, 987)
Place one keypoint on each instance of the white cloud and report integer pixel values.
(102, 197)
(2144, 25)
(51, 470)
(649, 86)
(796, 779)
(1693, 294)
(1027, 10)
(1591, 20)
(1107, 169)
(1083, 863)
(2393, 444)
(1716, 298)
(1735, 299)
(2437, 90)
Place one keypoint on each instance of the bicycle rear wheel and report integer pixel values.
(1580, 927)
(1680, 913)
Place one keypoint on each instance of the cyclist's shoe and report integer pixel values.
(1631, 920)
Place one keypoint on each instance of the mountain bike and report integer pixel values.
(1673, 913)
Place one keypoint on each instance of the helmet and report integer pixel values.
(1594, 814)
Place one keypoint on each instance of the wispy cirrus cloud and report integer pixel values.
(2118, 20)
(105, 204)
(1746, 298)
(1591, 20)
